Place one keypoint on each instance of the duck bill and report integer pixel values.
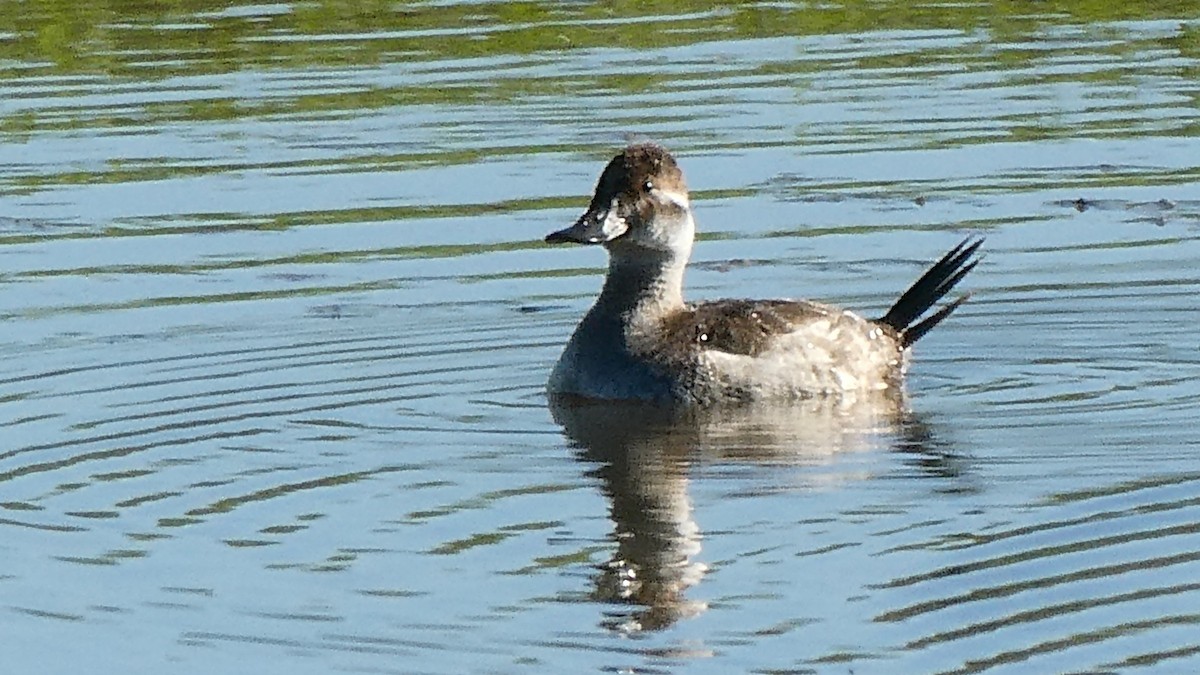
(597, 226)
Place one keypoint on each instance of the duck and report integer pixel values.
(641, 341)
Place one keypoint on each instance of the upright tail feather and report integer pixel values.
(937, 281)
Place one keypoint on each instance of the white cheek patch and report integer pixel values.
(676, 228)
(614, 225)
(675, 198)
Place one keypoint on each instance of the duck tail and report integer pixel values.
(937, 281)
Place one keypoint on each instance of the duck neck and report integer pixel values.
(648, 284)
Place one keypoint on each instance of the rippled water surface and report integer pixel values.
(276, 317)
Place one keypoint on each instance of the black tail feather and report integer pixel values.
(917, 331)
(929, 289)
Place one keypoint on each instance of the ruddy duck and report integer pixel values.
(641, 341)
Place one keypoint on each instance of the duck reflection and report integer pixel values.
(642, 454)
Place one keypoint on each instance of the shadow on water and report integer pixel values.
(644, 455)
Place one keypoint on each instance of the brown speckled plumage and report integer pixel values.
(745, 327)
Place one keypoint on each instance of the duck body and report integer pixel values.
(726, 351)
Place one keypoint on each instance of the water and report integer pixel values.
(276, 318)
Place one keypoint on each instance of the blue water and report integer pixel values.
(277, 318)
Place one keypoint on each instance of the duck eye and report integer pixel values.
(648, 185)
